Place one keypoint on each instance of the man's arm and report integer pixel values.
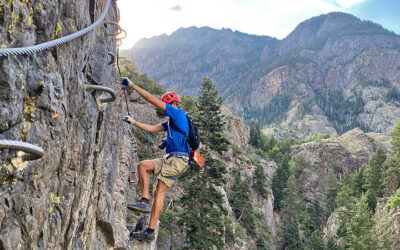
(146, 127)
(149, 97)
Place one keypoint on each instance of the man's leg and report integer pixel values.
(143, 205)
(158, 203)
(144, 167)
(156, 209)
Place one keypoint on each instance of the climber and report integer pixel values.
(166, 169)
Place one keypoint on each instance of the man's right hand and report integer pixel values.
(125, 81)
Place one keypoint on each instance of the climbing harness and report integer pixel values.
(102, 88)
(32, 152)
(56, 42)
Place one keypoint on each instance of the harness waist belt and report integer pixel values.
(182, 155)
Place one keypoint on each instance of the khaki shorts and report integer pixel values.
(172, 166)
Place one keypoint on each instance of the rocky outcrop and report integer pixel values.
(347, 153)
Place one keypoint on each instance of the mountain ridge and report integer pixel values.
(326, 59)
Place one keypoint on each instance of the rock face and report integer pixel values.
(347, 153)
(333, 73)
(75, 196)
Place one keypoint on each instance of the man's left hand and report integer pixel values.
(128, 119)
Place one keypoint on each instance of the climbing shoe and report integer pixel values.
(147, 234)
(142, 206)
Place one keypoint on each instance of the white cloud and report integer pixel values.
(264, 17)
(348, 3)
(176, 8)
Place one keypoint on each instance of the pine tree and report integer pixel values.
(316, 242)
(331, 191)
(392, 180)
(347, 179)
(346, 203)
(203, 214)
(279, 180)
(313, 218)
(255, 135)
(242, 206)
(396, 138)
(371, 199)
(260, 181)
(358, 184)
(331, 244)
(360, 235)
(289, 224)
(373, 174)
(209, 118)
(374, 178)
(318, 217)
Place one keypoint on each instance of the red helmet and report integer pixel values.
(170, 97)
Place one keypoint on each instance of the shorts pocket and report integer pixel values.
(173, 166)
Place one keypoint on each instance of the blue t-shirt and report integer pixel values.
(175, 140)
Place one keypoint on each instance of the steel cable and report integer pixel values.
(56, 42)
(149, 140)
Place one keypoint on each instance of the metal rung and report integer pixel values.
(105, 89)
(111, 62)
(32, 152)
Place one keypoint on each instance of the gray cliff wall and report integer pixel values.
(75, 196)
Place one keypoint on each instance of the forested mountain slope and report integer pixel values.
(334, 72)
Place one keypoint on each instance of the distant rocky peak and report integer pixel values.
(333, 25)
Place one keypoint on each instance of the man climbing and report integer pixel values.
(168, 168)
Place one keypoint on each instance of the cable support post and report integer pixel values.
(32, 152)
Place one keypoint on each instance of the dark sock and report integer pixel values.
(149, 230)
(145, 200)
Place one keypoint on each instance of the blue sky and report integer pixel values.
(384, 12)
(276, 18)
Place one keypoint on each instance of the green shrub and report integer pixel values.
(236, 150)
(145, 154)
(394, 201)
